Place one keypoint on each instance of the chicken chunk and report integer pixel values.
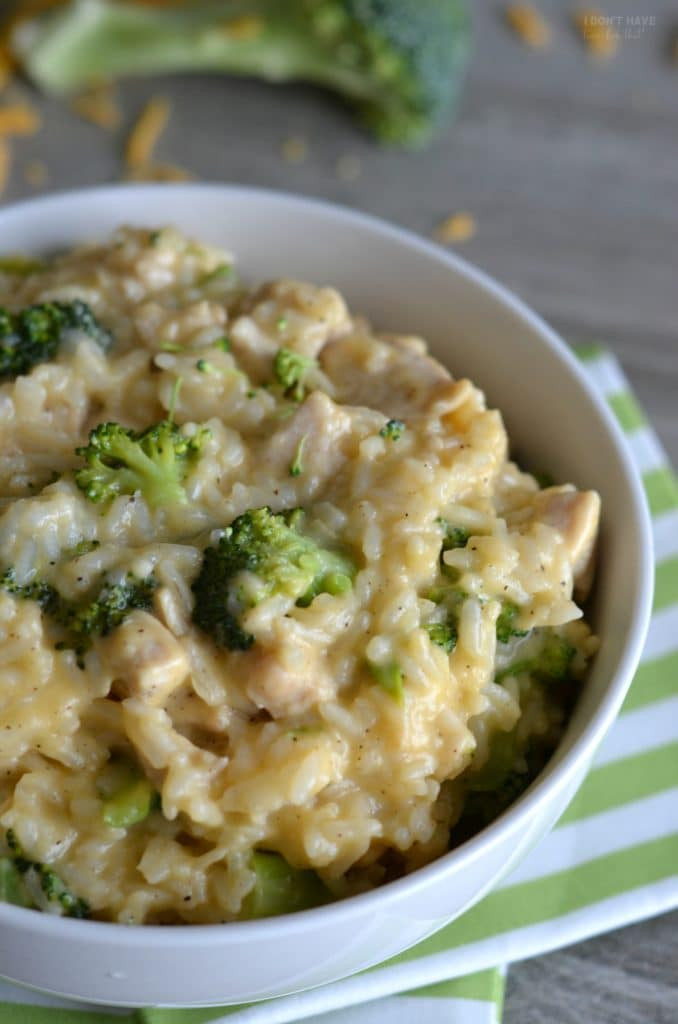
(396, 375)
(144, 658)
(287, 313)
(575, 514)
(324, 425)
(287, 677)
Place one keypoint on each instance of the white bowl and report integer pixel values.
(554, 419)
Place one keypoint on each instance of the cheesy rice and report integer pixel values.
(353, 735)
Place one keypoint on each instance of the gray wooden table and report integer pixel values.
(570, 169)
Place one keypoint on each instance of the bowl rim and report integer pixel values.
(516, 817)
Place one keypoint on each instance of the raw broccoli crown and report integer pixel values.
(414, 50)
(154, 461)
(260, 554)
(398, 61)
(290, 369)
(34, 334)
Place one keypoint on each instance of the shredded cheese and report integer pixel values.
(146, 132)
(528, 23)
(19, 119)
(597, 32)
(457, 228)
(159, 172)
(294, 149)
(98, 105)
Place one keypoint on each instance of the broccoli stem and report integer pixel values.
(390, 678)
(128, 796)
(98, 39)
(280, 888)
(12, 888)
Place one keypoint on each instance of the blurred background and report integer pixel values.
(558, 175)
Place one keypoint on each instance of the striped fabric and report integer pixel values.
(612, 858)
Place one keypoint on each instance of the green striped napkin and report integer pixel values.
(612, 858)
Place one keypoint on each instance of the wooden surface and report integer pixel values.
(570, 168)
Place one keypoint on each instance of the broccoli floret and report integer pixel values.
(443, 634)
(398, 62)
(505, 620)
(34, 334)
(291, 369)
(453, 536)
(154, 461)
(43, 593)
(551, 665)
(449, 599)
(110, 607)
(54, 889)
(393, 430)
(260, 554)
(85, 619)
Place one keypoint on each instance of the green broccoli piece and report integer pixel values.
(505, 620)
(297, 463)
(281, 889)
(290, 369)
(19, 265)
(54, 889)
(393, 430)
(554, 660)
(12, 887)
(110, 607)
(453, 536)
(83, 620)
(154, 461)
(390, 678)
(128, 796)
(449, 598)
(43, 593)
(551, 665)
(35, 334)
(260, 554)
(443, 634)
(399, 63)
